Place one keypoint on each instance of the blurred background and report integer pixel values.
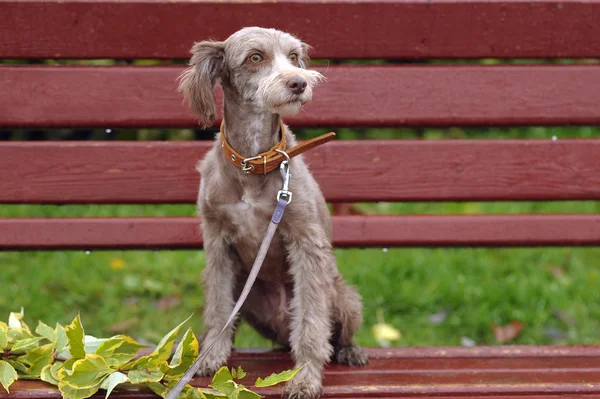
(411, 296)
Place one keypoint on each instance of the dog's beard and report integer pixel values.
(277, 97)
(288, 109)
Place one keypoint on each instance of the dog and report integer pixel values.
(299, 300)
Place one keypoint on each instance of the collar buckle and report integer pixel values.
(249, 168)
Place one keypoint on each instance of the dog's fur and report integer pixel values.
(299, 300)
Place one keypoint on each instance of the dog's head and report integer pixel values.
(264, 69)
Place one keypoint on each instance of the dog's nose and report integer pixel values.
(297, 84)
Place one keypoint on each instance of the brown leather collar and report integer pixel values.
(268, 161)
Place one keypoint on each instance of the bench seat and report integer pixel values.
(508, 372)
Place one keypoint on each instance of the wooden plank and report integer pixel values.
(363, 29)
(349, 231)
(109, 97)
(379, 170)
(481, 372)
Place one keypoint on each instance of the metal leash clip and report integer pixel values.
(285, 169)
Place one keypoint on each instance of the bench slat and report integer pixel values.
(365, 29)
(349, 231)
(377, 170)
(69, 96)
(482, 372)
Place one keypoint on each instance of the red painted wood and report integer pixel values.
(481, 372)
(363, 29)
(380, 170)
(349, 231)
(368, 96)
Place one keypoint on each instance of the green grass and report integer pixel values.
(477, 287)
(553, 291)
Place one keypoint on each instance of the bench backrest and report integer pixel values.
(415, 94)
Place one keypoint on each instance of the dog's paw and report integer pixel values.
(352, 355)
(209, 370)
(303, 389)
(211, 365)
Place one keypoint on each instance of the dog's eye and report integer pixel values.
(256, 58)
(293, 57)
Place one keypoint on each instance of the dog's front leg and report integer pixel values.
(311, 265)
(218, 280)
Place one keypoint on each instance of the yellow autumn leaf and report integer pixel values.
(383, 332)
(117, 264)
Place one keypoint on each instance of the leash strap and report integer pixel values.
(284, 197)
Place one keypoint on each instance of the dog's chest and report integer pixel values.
(246, 221)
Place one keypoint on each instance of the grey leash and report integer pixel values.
(284, 197)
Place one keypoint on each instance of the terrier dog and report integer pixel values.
(299, 300)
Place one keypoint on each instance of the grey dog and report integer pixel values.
(300, 300)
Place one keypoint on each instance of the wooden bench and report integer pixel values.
(419, 94)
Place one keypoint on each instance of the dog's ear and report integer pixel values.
(304, 58)
(198, 81)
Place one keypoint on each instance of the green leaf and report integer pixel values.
(238, 374)
(244, 393)
(37, 359)
(212, 394)
(113, 363)
(25, 344)
(18, 334)
(145, 375)
(157, 388)
(92, 343)
(61, 338)
(185, 354)
(8, 375)
(46, 331)
(120, 347)
(87, 373)
(67, 367)
(112, 381)
(162, 351)
(71, 392)
(19, 366)
(75, 336)
(16, 323)
(3, 337)
(14, 320)
(223, 381)
(275, 379)
(190, 392)
(46, 375)
(55, 368)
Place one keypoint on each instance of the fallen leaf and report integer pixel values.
(438, 318)
(507, 332)
(116, 264)
(122, 326)
(383, 332)
(558, 273)
(565, 317)
(168, 302)
(554, 333)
